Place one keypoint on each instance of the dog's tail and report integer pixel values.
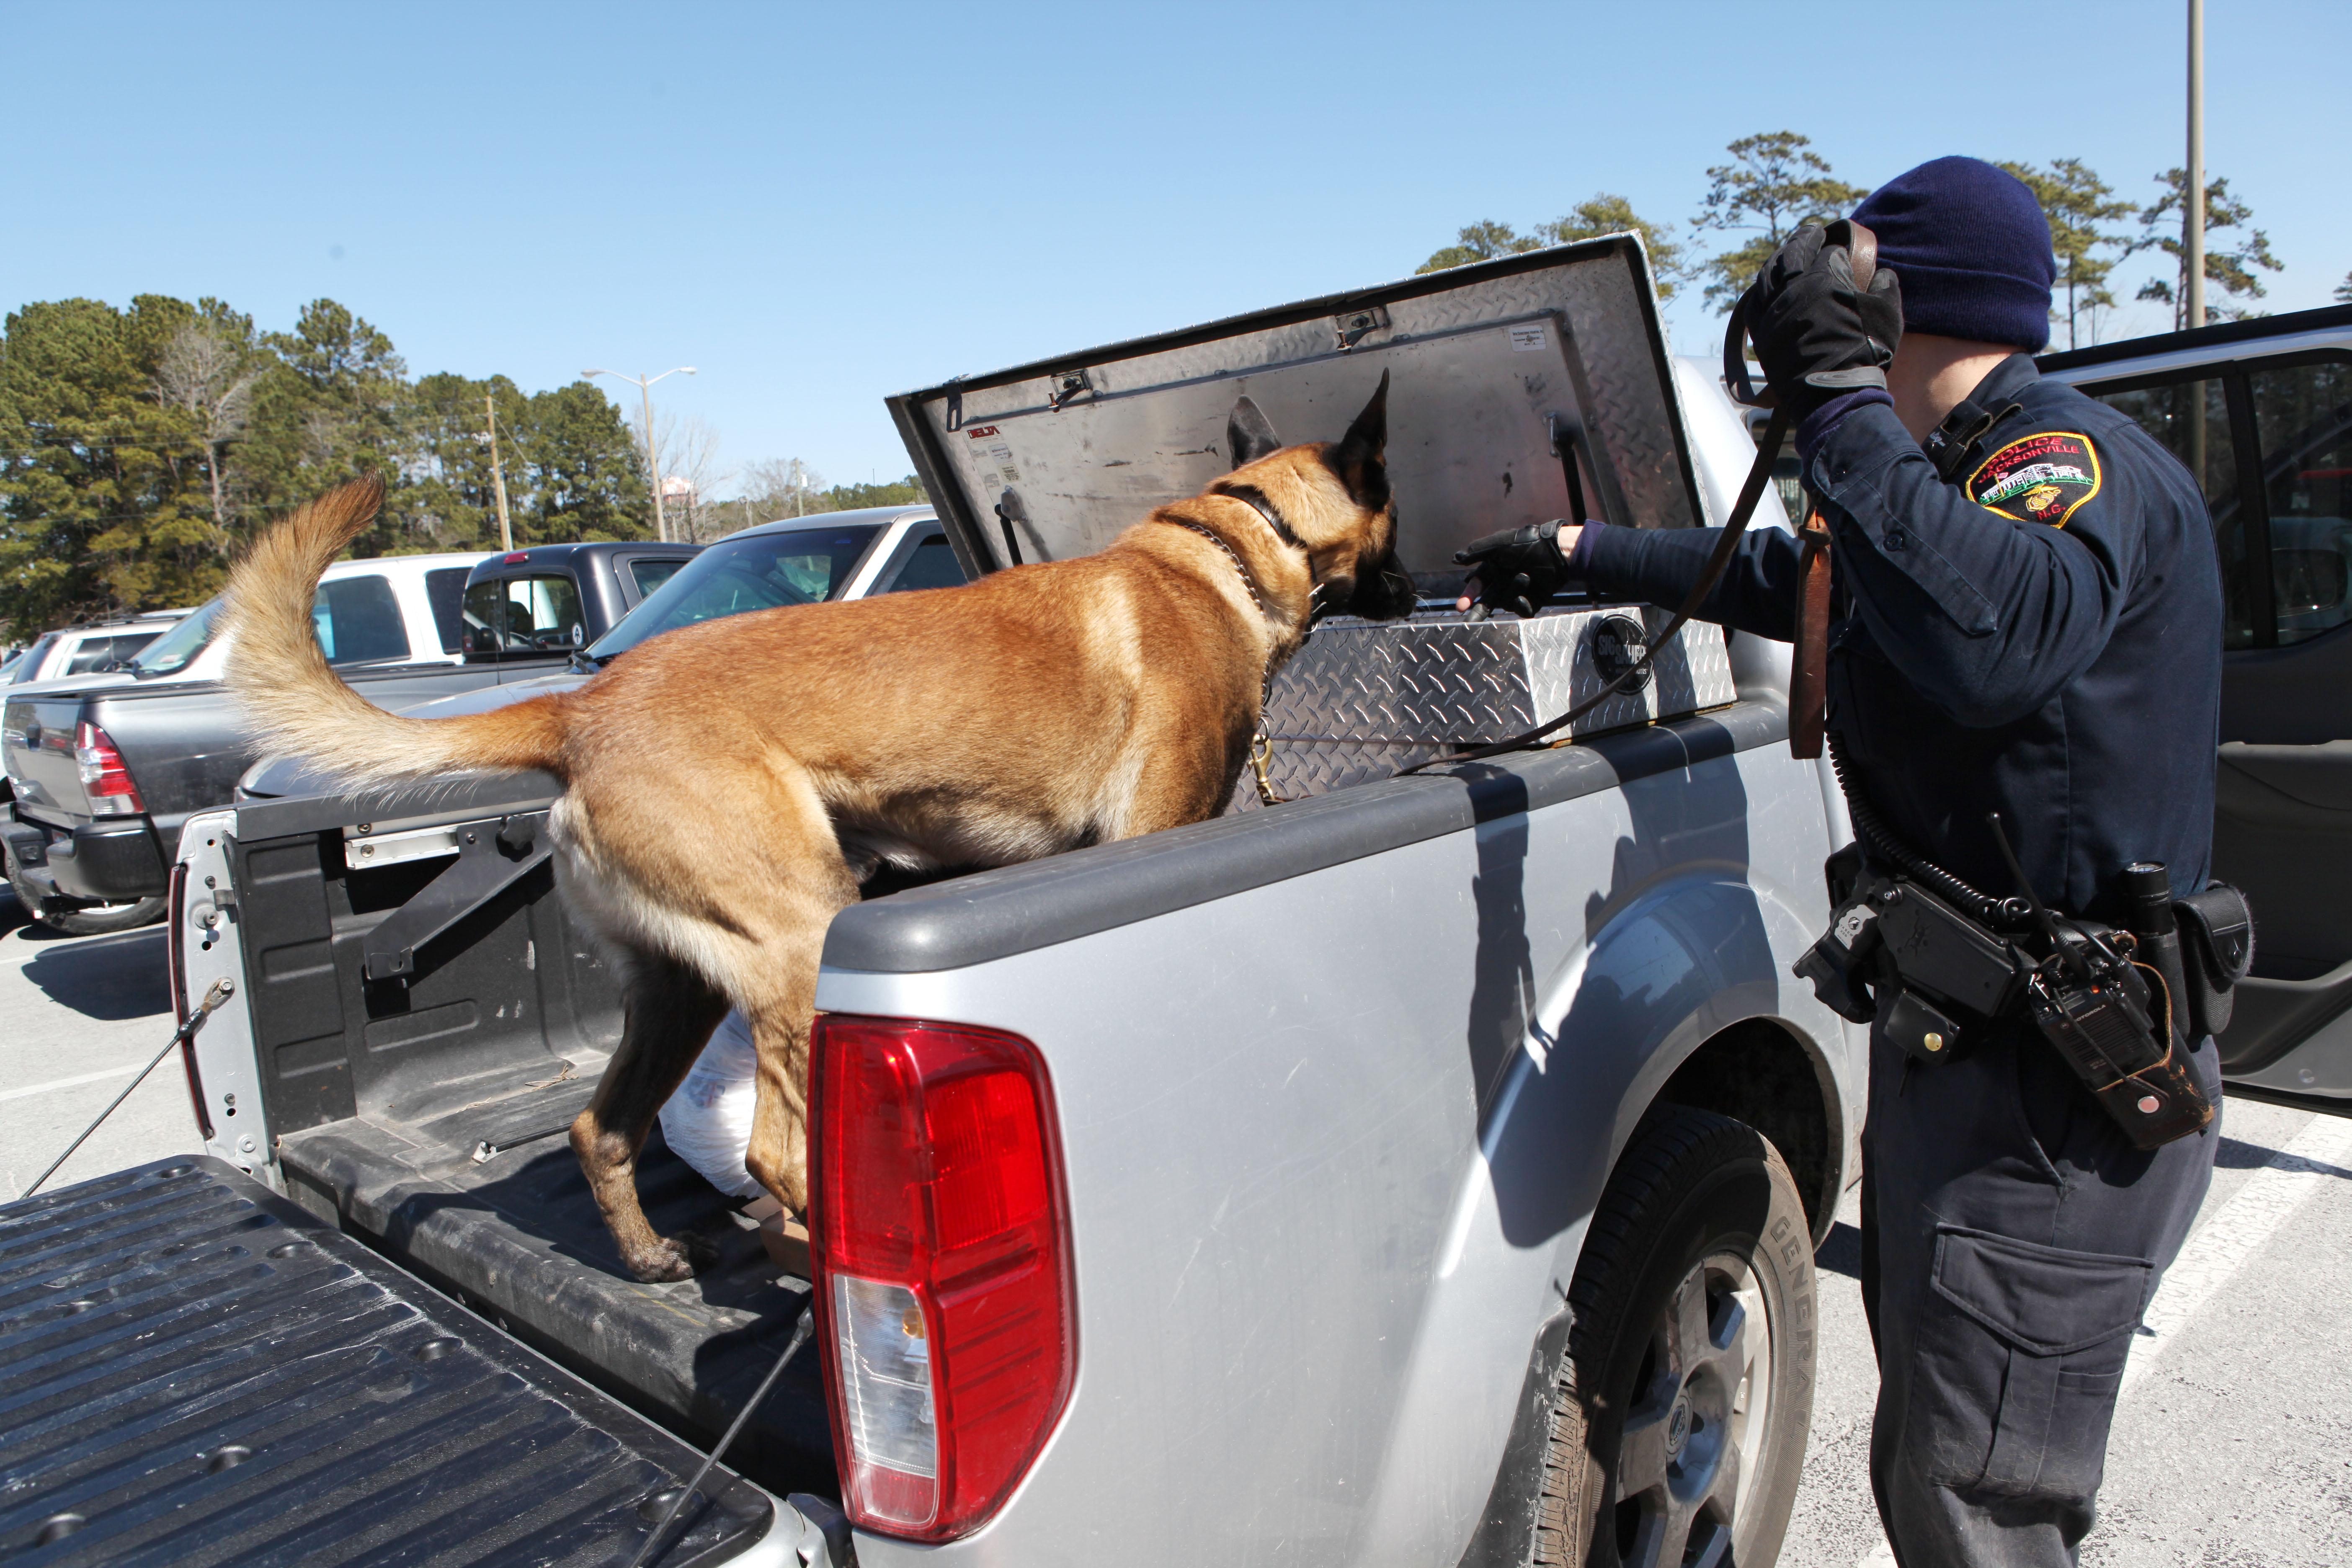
(298, 706)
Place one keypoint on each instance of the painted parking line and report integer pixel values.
(2291, 1177)
(33, 1088)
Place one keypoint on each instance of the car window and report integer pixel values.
(484, 614)
(651, 574)
(2303, 419)
(930, 564)
(755, 572)
(29, 668)
(357, 620)
(175, 649)
(106, 653)
(2192, 420)
(444, 590)
(543, 614)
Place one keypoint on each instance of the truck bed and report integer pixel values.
(517, 1237)
(194, 1371)
(379, 1093)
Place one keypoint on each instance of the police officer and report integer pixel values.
(2027, 619)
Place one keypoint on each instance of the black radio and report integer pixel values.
(2109, 1001)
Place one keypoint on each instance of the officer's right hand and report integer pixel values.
(1517, 569)
(1816, 333)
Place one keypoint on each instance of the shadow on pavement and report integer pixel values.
(2235, 1155)
(15, 925)
(1841, 1253)
(111, 978)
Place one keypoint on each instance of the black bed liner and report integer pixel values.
(517, 1237)
(194, 1371)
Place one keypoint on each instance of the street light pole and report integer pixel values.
(499, 478)
(2192, 209)
(653, 460)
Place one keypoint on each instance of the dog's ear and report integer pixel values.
(1368, 437)
(1356, 457)
(1250, 434)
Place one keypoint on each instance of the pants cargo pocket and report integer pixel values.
(2018, 1363)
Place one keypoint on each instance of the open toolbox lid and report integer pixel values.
(1496, 369)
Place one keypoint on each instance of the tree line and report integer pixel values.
(142, 448)
(1774, 183)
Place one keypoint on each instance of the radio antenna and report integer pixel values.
(2048, 921)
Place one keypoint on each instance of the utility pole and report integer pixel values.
(653, 459)
(499, 478)
(2192, 207)
(2192, 229)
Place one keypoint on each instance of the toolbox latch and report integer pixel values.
(1351, 327)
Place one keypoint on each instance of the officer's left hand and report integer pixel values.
(1817, 334)
(1517, 569)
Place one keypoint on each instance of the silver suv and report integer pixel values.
(92, 647)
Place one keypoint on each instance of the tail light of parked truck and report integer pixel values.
(943, 1278)
(104, 779)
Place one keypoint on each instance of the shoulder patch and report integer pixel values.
(2037, 478)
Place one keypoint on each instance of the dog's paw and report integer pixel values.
(669, 1260)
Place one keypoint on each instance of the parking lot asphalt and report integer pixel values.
(2232, 1444)
(78, 1017)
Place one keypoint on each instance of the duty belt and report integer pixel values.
(1932, 963)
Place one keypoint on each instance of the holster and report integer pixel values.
(1931, 979)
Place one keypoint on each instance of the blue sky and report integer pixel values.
(816, 206)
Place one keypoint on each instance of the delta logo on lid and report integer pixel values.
(2039, 479)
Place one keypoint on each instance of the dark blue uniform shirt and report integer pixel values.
(2040, 634)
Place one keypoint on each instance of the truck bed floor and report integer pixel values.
(194, 1371)
(517, 1236)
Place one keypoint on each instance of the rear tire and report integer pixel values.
(88, 920)
(1679, 1419)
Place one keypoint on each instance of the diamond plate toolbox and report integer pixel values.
(1362, 699)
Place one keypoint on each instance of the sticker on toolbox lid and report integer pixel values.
(1529, 339)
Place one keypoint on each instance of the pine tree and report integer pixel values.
(2232, 270)
(1774, 183)
(2077, 202)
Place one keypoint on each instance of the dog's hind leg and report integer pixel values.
(670, 1012)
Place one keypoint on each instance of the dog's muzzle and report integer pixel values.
(1385, 593)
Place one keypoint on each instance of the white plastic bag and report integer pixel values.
(708, 1122)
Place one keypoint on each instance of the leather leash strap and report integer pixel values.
(1809, 700)
(1862, 247)
(1759, 473)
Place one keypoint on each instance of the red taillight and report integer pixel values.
(516, 559)
(104, 779)
(941, 1251)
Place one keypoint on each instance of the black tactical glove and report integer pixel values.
(1815, 333)
(1517, 569)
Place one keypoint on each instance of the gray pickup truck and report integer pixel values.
(101, 775)
(1423, 1170)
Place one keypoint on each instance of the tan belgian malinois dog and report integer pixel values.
(727, 786)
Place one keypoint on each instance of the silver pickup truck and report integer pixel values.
(1422, 1170)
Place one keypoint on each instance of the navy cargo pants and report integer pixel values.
(2012, 1237)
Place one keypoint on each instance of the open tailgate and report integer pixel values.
(194, 1371)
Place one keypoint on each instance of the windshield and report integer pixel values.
(172, 652)
(762, 571)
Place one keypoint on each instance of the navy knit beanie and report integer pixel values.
(1972, 249)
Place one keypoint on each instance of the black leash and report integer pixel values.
(759, 1397)
(1760, 473)
(1863, 247)
(221, 991)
